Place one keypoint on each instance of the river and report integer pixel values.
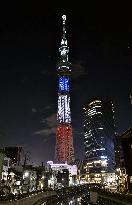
(68, 201)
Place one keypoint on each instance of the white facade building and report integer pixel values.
(6, 166)
(58, 167)
(72, 169)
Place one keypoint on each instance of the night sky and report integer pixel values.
(101, 55)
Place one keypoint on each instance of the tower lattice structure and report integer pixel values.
(64, 139)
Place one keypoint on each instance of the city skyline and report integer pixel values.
(101, 56)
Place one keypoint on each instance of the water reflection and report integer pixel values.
(71, 201)
(68, 201)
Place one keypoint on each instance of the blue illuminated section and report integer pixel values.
(63, 83)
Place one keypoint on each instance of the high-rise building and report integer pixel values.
(64, 138)
(99, 136)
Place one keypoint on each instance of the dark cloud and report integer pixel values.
(46, 72)
(46, 132)
(49, 125)
(48, 107)
(78, 69)
(34, 110)
(50, 121)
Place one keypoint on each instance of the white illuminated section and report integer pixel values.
(63, 42)
(64, 18)
(64, 115)
(93, 111)
(64, 51)
(104, 163)
(103, 157)
(98, 149)
(95, 102)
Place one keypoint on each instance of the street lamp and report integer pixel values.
(26, 174)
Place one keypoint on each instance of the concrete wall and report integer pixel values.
(30, 200)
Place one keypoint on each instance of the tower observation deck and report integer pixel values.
(64, 151)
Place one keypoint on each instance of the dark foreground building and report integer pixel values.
(126, 139)
(16, 155)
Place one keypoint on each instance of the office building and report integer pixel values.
(99, 136)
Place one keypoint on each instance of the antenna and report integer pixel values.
(64, 23)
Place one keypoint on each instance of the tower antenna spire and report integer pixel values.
(64, 28)
(64, 49)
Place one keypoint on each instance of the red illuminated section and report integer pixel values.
(64, 144)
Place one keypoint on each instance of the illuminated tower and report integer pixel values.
(64, 139)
